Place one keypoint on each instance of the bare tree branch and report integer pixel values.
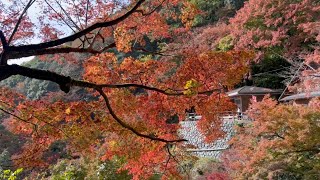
(3, 39)
(76, 35)
(3, 55)
(65, 84)
(78, 15)
(90, 45)
(63, 50)
(62, 18)
(10, 52)
(87, 9)
(73, 22)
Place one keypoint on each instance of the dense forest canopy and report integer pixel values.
(108, 76)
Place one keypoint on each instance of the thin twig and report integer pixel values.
(78, 34)
(87, 8)
(128, 127)
(174, 158)
(74, 23)
(61, 17)
(20, 19)
(20, 119)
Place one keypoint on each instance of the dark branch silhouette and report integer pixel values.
(66, 83)
(76, 35)
(63, 50)
(10, 52)
(126, 126)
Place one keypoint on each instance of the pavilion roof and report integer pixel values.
(305, 95)
(252, 90)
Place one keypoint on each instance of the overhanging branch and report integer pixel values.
(64, 50)
(77, 35)
(128, 127)
(10, 70)
(66, 82)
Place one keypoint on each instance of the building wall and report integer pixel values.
(302, 101)
(245, 100)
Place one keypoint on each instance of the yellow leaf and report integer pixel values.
(191, 84)
(190, 88)
(68, 111)
(112, 144)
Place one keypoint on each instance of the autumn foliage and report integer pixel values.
(131, 97)
(281, 142)
(141, 64)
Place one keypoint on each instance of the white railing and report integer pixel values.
(226, 115)
(235, 116)
(192, 117)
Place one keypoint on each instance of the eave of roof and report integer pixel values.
(251, 90)
(301, 96)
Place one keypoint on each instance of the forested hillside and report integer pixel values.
(110, 81)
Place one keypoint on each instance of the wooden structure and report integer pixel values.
(301, 98)
(241, 96)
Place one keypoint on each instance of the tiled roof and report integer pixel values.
(247, 90)
(301, 96)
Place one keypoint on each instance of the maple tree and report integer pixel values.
(282, 141)
(281, 26)
(132, 98)
(284, 29)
